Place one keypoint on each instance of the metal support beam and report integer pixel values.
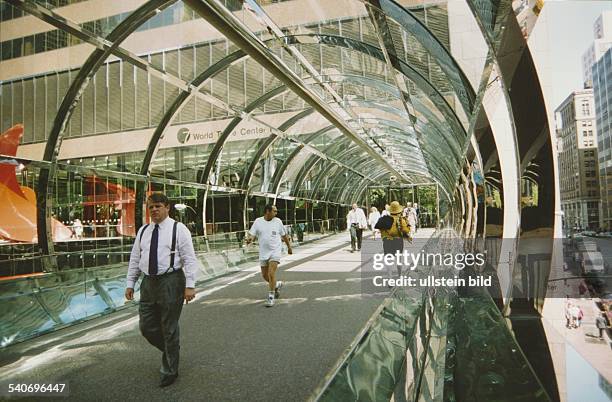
(224, 21)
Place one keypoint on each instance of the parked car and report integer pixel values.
(592, 262)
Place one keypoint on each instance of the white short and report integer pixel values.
(264, 263)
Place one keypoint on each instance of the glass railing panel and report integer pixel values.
(22, 317)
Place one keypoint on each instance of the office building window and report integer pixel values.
(586, 109)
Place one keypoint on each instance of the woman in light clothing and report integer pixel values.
(411, 217)
(372, 219)
(386, 211)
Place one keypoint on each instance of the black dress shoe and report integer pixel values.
(168, 380)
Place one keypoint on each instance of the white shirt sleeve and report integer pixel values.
(134, 264)
(253, 229)
(283, 229)
(187, 254)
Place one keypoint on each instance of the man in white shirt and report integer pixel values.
(356, 221)
(163, 252)
(269, 230)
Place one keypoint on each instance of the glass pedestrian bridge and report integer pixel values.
(310, 105)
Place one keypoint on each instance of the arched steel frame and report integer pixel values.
(106, 48)
(147, 11)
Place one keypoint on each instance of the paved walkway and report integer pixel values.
(233, 348)
(598, 353)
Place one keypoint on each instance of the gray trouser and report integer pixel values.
(161, 302)
(356, 235)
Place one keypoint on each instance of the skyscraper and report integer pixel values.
(578, 172)
(602, 91)
(602, 35)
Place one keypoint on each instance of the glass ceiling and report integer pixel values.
(369, 87)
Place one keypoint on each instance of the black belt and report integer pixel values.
(167, 273)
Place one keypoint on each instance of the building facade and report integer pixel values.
(602, 91)
(602, 35)
(578, 164)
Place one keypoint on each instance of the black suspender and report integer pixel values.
(142, 231)
(172, 250)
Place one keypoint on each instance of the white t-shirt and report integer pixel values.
(269, 235)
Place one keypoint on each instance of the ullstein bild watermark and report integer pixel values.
(431, 281)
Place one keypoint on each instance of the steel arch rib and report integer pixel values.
(267, 143)
(410, 23)
(278, 175)
(421, 82)
(86, 72)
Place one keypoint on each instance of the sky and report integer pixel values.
(571, 32)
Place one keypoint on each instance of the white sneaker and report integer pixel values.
(279, 284)
(270, 301)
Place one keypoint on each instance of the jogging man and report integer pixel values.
(269, 230)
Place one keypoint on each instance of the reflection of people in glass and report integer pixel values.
(299, 231)
(77, 227)
(240, 237)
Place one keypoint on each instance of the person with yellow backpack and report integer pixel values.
(393, 229)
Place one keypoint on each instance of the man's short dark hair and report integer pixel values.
(159, 197)
(268, 208)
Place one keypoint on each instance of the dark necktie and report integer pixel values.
(153, 251)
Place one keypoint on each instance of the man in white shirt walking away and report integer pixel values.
(163, 252)
(269, 230)
(356, 221)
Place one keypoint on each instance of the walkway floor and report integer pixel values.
(585, 338)
(233, 348)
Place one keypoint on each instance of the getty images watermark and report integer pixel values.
(532, 268)
(407, 261)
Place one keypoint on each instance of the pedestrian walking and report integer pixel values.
(601, 323)
(269, 230)
(372, 219)
(386, 210)
(392, 233)
(356, 221)
(163, 252)
(411, 217)
(567, 313)
(575, 313)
